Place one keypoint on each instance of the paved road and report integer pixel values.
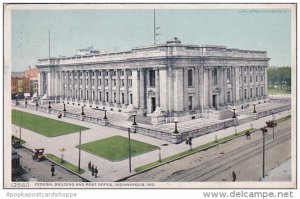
(216, 164)
(40, 171)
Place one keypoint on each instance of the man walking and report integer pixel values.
(52, 170)
(96, 172)
(93, 170)
(90, 165)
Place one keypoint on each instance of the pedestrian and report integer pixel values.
(90, 165)
(52, 170)
(233, 176)
(96, 172)
(93, 170)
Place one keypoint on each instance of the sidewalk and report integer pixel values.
(280, 173)
(112, 171)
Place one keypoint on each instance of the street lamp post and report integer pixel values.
(129, 150)
(26, 102)
(36, 104)
(17, 102)
(64, 110)
(49, 107)
(79, 146)
(264, 132)
(105, 117)
(134, 123)
(176, 130)
(82, 110)
(273, 124)
(254, 110)
(234, 115)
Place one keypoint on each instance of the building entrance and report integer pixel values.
(214, 101)
(153, 105)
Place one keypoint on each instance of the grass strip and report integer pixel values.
(65, 164)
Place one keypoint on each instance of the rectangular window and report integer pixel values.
(228, 97)
(122, 82)
(115, 97)
(130, 82)
(228, 75)
(245, 79)
(100, 96)
(251, 92)
(115, 82)
(214, 74)
(152, 78)
(256, 78)
(106, 82)
(245, 94)
(130, 73)
(122, 73)
(256, 91)
(123, 98)
(107, 97)
(261, 78)
(131, 99)
(262, 91)
(250, 79)
(190, 77)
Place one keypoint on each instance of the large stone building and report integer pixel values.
(184, 81)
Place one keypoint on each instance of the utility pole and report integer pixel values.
(154, 29)
(49, 43)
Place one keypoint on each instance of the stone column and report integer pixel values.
(243, 84)
(40, 83)
(178, 90)
(103, 86)
(266, 80)
(83, 86)
(222, 85)
(237, 85)
(90, 85)
(233, 84)
(78, 86)
(142, 90)
(135, 88)
(196, 88)
(201, 87)
(96, 81)
(254, 82)
(126, 87)
(157, 96)
(49, 84)
(118, 88)
(110, 100)
(62, 85)
(210, 87)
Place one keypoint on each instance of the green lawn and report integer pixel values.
(278, 91)
(42, 125)
(66, 164)
(116, 148)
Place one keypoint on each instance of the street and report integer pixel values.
(40, 171)
(241, 155)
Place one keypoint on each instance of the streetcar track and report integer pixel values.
(210, 164)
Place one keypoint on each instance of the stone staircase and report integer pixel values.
(225, 114)
(141, 119)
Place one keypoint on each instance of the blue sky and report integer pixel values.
(117, 30)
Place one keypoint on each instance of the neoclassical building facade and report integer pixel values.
(180, 79)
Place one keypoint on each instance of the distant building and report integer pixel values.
(24, 84)
(20, 85)
(32, 74)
